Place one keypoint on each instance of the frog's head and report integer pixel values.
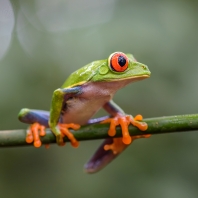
(120, 66)
(117, 67)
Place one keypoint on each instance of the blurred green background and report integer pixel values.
(43, 41)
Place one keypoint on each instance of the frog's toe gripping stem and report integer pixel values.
(124, 122)
(35, 130)
(135, 122)
(64, 129)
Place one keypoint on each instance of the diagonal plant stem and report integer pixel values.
(158, 125)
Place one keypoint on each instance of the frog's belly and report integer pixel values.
(80, 110)
(94, 95)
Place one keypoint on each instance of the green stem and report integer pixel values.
(168, 124)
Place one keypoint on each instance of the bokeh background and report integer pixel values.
(43, 41)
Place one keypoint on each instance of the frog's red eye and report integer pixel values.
(118, 62)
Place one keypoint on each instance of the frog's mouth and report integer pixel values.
(133, 78)
(126, 79)
(122, 82)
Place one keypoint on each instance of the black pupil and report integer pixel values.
(121, 61)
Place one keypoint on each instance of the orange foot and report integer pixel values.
(124, 122)
(64, 129)
(35, 130)
(117, 146)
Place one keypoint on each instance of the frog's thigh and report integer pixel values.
(31, 116)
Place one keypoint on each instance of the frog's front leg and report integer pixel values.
(119, 118)
(58, 106)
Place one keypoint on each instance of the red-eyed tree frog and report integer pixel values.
(87, 90)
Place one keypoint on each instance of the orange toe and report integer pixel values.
(33, 134)
(138, 117)
(29, 136)
(37, 143)
(64, 128)
(127, 140)
(135, 122)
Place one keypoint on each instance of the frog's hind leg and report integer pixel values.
(31, 116)
(38, 121)
(112, 147)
